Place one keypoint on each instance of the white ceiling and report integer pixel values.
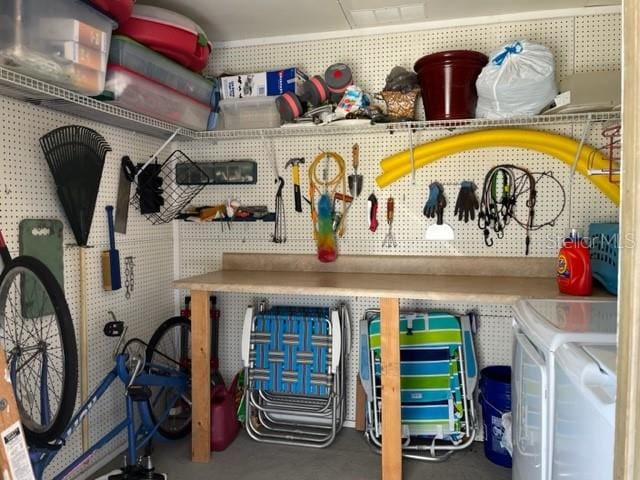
(225, 20)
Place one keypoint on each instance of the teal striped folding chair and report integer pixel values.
(438, 378)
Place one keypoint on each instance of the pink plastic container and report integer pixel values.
(140, 94)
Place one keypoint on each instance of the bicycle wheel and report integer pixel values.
(37, 335)
(170, 347)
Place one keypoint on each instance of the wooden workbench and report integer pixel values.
(485, 280)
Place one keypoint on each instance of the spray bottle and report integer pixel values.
(574, 266)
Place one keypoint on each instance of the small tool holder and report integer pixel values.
(234, 172)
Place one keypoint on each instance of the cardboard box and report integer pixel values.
(82, 55)
(71, 30)
(588, 92)
(263, 84)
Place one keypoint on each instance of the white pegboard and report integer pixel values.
(598, 43)
(371, 58)
(27, 190)
(409, 223)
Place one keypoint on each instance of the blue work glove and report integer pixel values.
(430, 207)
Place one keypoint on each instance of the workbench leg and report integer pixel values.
(200, 376)
(390, 362)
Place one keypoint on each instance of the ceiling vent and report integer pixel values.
(388, 12)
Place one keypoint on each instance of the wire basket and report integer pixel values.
(604, 246)
(158, 197)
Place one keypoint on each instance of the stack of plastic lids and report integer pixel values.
(170, 34)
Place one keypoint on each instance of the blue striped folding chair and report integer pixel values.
(295, 374)
(438, 377)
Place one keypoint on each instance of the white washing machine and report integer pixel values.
(541, 327)
(585, 389)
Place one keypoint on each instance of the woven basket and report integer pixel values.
(400, 105)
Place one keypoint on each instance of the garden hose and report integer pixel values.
(327, 186)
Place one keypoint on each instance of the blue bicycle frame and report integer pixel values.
(154, 375)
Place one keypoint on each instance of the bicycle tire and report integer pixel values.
(16, 272)
(158, 352)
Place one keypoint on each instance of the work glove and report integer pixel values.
(150, 190)
(430, 207)
(467, 202)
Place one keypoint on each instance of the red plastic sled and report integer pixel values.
(169, 33)
(119, 10)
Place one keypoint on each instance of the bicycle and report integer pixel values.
(37, 335)
(157, 380)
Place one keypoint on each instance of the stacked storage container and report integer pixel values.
(64, 42)
(143, 74)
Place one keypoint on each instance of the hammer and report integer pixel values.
(295, 162)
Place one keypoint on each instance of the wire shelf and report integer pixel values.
(37, 92)
(365, 128)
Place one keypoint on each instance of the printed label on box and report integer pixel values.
(262, 84)
(16, 452)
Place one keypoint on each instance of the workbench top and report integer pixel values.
(485, 280)
(451, 288)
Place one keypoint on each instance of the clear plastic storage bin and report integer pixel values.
(65, 42)
(134, 56)
(140, 94)
(252, 112)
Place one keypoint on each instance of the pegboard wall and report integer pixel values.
(27, 190)
(580, 44)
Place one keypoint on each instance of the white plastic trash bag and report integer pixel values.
(518, 80)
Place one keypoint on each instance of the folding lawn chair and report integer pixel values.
(293, 360)
(438, 377)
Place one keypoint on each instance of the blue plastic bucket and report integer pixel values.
(495, 399)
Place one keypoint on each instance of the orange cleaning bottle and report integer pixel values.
(574, 266)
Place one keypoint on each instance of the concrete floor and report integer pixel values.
(349, 458)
